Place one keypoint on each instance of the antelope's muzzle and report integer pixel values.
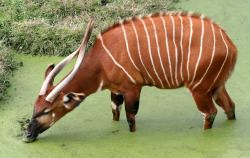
(33, 130)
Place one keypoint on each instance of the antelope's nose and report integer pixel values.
(27, 133)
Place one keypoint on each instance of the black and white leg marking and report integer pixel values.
(116, 102)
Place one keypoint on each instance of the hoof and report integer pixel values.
(231, 114)
(116, 118)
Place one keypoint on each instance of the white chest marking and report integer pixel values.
(100, 87)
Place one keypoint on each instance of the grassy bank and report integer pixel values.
(55, 27)
(7, 65)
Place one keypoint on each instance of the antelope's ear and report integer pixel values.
(49, 69)
(72, 100)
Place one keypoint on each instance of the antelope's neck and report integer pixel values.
(88, 78)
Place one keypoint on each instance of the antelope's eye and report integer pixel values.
(45, 113)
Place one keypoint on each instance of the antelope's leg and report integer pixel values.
(222, 99)
(131, 107)
(116, 102)
(205, 104)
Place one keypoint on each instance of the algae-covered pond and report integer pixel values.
(168, 122)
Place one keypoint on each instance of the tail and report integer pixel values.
(233, 53)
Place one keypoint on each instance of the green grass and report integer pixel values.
(54, 27)
(7, 65)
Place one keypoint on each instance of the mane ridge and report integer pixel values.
(166, 13)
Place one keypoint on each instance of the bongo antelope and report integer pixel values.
(165, 50)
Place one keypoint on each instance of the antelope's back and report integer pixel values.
(169, 50)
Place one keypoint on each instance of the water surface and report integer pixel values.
(168, 122)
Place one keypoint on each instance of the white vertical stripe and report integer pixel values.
(150, 54)
(211, 61)
(115, 61)
(125, 37)
(169, 61)
(199, 58)
(139, 51)
(100, 87)
(189, 47)
(222, 64)
(145, 80)
(181, 47)
(158, 50)
(176, 53)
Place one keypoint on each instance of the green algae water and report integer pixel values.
(168, 122)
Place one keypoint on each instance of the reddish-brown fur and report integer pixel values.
(99, 70)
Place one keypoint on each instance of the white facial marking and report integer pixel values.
(65, 98)
(51, 124)
(53, 115)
